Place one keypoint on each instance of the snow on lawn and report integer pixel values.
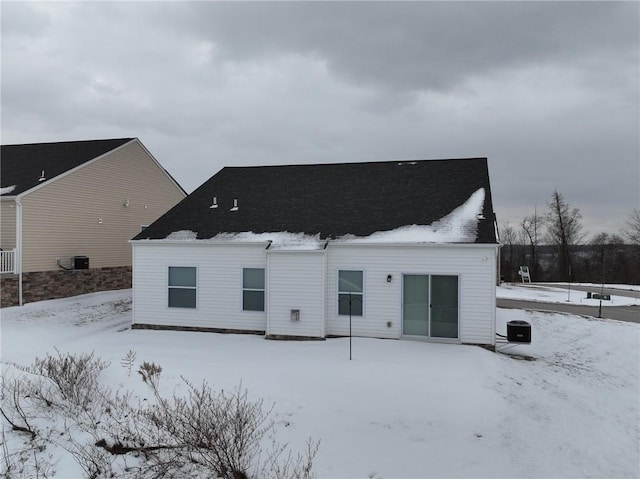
(547, 294)
(564, 406)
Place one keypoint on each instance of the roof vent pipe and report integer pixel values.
(214, 203)
(42, 178)
(235, 205)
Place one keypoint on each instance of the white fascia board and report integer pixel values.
(73, 170)
(192, 243)
(297, 251)
(413, 244)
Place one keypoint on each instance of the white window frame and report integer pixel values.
(243, 289)
(169, 287)
(362, 294)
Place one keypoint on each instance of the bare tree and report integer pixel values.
(610, 258)
(632, 229)
(508, 238)
(600, 245)
(531, 225)
(564, 228)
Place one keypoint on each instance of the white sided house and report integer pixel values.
(388, 249)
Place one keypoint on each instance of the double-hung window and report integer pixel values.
(350, 292)
(253, 289)
(182, 287)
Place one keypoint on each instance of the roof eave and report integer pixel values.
(212, 242)
(409, 243)
(197, 242)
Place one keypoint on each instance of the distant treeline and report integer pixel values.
(552, 244)
(620, 263)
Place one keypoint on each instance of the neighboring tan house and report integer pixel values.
(382, 249)
(68, 210)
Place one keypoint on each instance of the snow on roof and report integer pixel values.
(183, 235)
(279, 241)
(459, 226)
(7, 189)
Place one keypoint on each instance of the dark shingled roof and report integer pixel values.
(330, 199)
(22, 165)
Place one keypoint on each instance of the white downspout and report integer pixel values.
(133, 284)
(267, 288)
(18, 258)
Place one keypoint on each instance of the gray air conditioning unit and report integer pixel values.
(518, 332)
(80, 262)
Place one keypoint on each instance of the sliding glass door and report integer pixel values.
(444, 307)
(415, 305)
(430, 306)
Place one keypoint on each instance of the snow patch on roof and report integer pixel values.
(280, 241)
(7, 189)
(184, 235)
(459, 226)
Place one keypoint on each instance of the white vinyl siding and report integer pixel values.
(307, 281)
(296, 282)
(219, 284)
(475, 267)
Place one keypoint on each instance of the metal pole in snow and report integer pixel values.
(601, 289)
(569, 293)
(349, 326)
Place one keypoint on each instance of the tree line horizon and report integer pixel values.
(552, 244)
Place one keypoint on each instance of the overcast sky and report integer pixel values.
(549, 92)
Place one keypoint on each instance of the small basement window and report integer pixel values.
(182, 287)
(253, 289)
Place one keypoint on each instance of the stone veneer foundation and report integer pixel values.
(8, 290)
(42, 285)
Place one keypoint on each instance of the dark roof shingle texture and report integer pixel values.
(22, 165)
(331, 200)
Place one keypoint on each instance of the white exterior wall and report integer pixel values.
(474, 265)
(219, 284)
(307, 281)
(296, 280)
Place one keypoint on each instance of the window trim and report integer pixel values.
(263, 290)
(195, 288)
(362, 294)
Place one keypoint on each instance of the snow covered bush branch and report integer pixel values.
(75, 375)
(60, 401)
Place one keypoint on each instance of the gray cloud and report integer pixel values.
(548, 91)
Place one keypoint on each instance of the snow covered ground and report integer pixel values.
(549, 294)
(565, 406)
(596, 286)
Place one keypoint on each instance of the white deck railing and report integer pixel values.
(8, 261)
